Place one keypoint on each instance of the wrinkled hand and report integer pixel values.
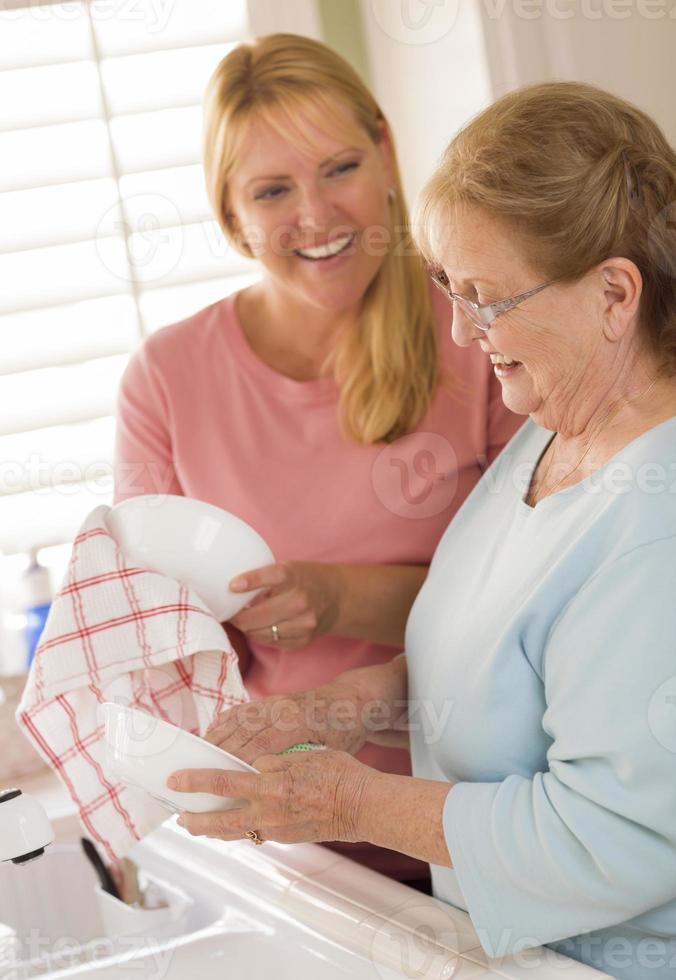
(308, 797)
(333, 714)
(302, 599)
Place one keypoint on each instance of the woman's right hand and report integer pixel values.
(334, 714)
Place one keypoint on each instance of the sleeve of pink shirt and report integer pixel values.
(143, 453)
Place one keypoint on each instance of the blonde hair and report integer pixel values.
(581, 176)
(387, 368)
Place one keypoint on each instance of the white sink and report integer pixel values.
(288, 912)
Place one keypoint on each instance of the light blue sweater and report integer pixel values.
(542, 670)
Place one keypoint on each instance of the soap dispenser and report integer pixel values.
(36, 592)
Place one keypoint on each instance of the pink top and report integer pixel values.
(200, 414)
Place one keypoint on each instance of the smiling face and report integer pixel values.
(564, 366)
(308, 210)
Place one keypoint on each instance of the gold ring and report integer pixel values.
(252, 835)
(275, 633)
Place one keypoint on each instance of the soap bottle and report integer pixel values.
(36, 592)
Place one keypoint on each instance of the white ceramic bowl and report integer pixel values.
(192, 541)
(142, 751)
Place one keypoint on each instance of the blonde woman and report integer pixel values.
(541, 675)
(325, 405)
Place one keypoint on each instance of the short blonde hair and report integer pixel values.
(387, 368)
(581, 176)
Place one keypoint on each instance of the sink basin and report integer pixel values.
(292, 912)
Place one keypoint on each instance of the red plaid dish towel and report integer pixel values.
(120, 633)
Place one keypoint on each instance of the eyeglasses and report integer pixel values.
(482, 315)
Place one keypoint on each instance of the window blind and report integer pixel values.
(105, 231)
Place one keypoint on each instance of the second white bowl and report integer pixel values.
(142, 751)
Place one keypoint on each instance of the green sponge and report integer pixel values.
(303, 747)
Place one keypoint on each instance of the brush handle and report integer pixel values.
(105, 878)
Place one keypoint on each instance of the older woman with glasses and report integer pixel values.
(538, 688)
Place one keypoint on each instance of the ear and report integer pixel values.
(622, 285)
(386, 148)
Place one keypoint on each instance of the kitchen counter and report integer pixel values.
(351, 911)
(295, 911)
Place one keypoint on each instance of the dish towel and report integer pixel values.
(120, 633)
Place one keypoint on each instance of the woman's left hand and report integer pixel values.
(302, 599)
(304, 797)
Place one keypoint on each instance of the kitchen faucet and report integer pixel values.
(25, 830)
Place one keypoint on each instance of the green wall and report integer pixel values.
(343, 30)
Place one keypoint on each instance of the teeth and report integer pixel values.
(501, 359)
(326, 251)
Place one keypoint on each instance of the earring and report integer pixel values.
(391, 194)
